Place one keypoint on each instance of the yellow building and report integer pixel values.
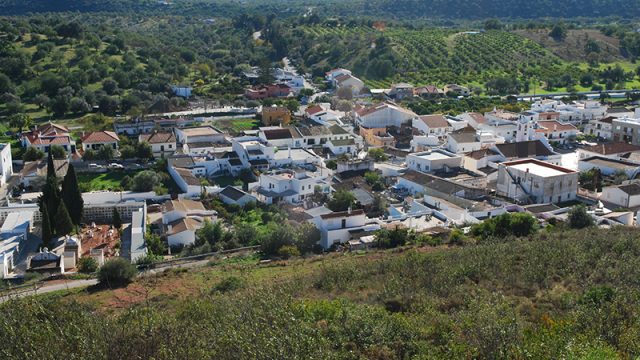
(275, 115)
(377, 137)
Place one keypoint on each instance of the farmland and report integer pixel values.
(440, 56)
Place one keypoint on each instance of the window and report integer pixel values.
(344, 223)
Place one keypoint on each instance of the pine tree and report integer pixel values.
(47, 234)
(116, 219)
(72, 196)
(63, 222)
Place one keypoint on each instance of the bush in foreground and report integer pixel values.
(117, 272)
(87, 265)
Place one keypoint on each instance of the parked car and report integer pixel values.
(95, 166)
(115, 166)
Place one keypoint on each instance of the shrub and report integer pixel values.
(579, 218)
(117, 272)
(87, 265)
(288, 251)
(227, 284)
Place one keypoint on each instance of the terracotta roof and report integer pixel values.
(184, 205)
(612, 148)
(372, 109)
(100, 137)
(158, 138)
(342, 214)
(552, 125)
(313, 109)
(435, 121)
(344, 77)
(51, 129)
(34, 139)
(477, 117)
(187, 176)
(184, 224)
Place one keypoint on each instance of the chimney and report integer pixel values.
(349, 210)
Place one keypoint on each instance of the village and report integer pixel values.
(350, 168)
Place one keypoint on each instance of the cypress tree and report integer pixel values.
(116, 219)
(63, 222)
(50, 198)
(72, 196)
(47, 234)
(51, 168)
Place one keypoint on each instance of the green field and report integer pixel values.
(104, 181)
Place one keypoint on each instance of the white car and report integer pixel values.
(95, 166)
(115, 166)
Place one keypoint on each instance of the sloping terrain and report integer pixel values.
(558, 294)
(573, 48)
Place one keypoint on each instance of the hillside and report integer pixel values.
(401, 9)
(559, 294)
(423, 56)
(574, 46)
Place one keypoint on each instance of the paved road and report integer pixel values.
(71, 284)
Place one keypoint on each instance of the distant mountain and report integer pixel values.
(405, 9)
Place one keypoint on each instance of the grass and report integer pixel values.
(237, 125)
(104, 181)
(224, 181)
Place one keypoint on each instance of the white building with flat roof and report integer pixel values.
(428, 161)
(536, 181)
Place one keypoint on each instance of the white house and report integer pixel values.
(44, 136)
(281, 137)
(463, 141)
(291, 186)
(182, 232)
(601, 128)
(625, 196)
(182, 208)
(613, 150)
(162, 143)
(342, 146)
(199, 136)
(97, 139)
(434, 125)
(383, 115)
(350, 82)
(330, 76)
(608, 166)
(6, 163)
(457, 89)
(338, 227)
(182, 218)
(322, 115)
(536, 181)
(556, 131)
(433, 160)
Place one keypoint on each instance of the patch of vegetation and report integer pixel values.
(567, 293)
(111, 180)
